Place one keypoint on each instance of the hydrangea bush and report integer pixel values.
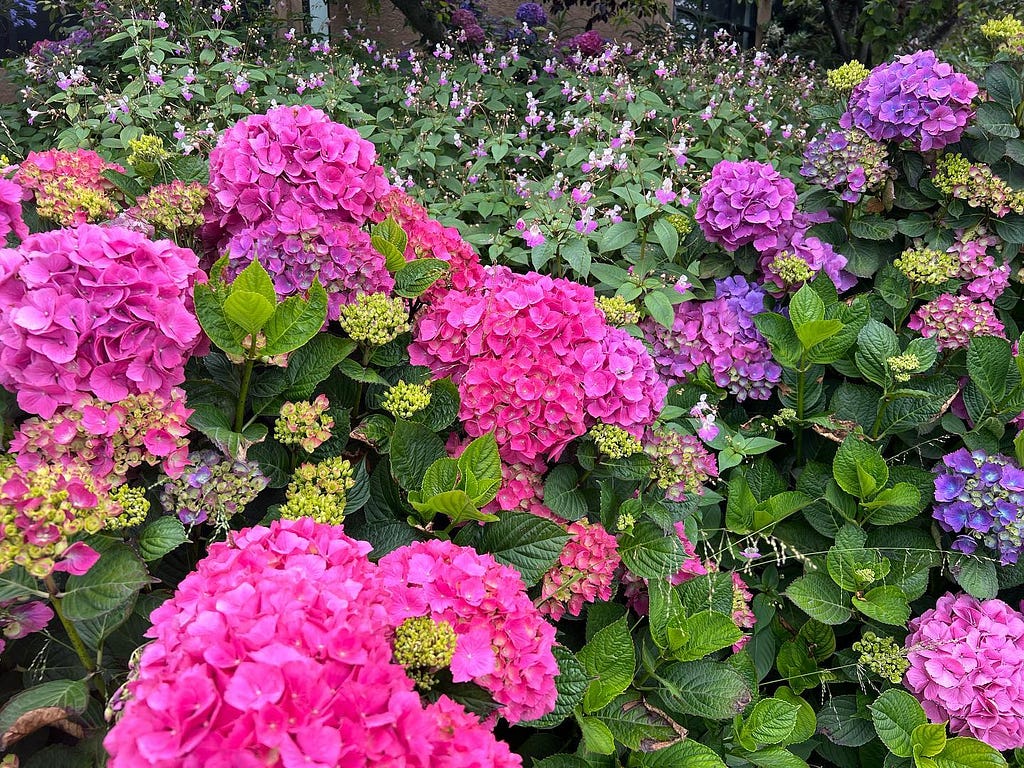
(708, 455)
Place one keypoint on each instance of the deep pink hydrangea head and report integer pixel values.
(967, 666)
(100, 311)
(292, 154)
(916, 98)
(10, 211)
(276, 652)
(503, 643)
(536, 363)
(745, 202)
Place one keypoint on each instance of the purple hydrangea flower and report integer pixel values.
(848, 162)
(981, 497)
(531, 14)
(917, 98)
(745, 202)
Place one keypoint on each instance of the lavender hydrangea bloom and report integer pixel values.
(745, 202)
(917, 98)
(800, 260)
(980, 497)
(531, 14)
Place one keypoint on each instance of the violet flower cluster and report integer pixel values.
(915, 98)
(277, 651)
(721, 334)
(967, 666)
(536, 363)
(99, 311)
(980, 497)
(211, 487)
(848, 162)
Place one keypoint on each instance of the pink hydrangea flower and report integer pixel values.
(967, 666)
(954, 320)
(536, 362)
(503, 644)
(745, 202)
(68, 187)
(276, 652)
(99, 311)
(18, 620)
(584, 572)
(986, 280)
(10, 211)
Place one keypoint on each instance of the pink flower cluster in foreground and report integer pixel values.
(954, 320)
(986, 279)
(584, 571)
(967, 666)
(277, 652)
(10, 211)
(97, 311)
(536, 362)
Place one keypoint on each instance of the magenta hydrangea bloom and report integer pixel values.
(954, 320)
(916, 98)
(589, 43)
(967, 666)
(503, 643)
(720, 333)
(295, 154)
(536, 362)
(276, 652)
(745, 202)
(584, 571)
(19, 619)
(10, 211)
(986, 279)
(97, 311)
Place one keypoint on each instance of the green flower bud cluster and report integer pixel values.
(614, 442)
(374, 319)
(319, 490)
(1007, 32)
(617, 311)
(928, 266)
(304, 423)
(847, 77)
(977, 185)
(405, 400)
(791, 269)
(173, 206)
(145, 152)
(625, 522)
(784, 416)
(883, 656)
(423, 646)
(681, 223)
(134, 506)
(901, 366)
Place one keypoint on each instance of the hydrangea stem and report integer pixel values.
(76, 639)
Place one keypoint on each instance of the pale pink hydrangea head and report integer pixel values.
(292, 154)
(503, 643)
(745, 202)
(967, 666)
(985, 279)
(584, 572)
(99, 311)
(954, 320)
(276, 652)
(536, 362)
(10, 211)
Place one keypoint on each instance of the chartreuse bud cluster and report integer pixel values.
(976, 184)
(682, 223)
(617, 311)
(883, 656)
(845, 78)
(172, 207)
(1007, 33)
(792, 269)
(901, 366)
(614, 442)
(318, 491)
(134, 507)
(374, 319)
(406, 400)
(424, 646)
(927, 266)
(145, 152)
(304, 423)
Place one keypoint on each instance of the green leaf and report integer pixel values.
(210, 312)
(647, 552)
(781, 337)
(977, 576)
(996, 120)
(708, 689)
(296, 321)
(771, 721)
(873, 228)
(694, 637)
(633, 723)
(683, 754)
(876, 343)
(356, 372)
(562, 493)
(886, 604)
(571, 684)
(418, 275)
(668, 238)
(413, 449)
(989, 360)
(528, 543)
(443, 408)
(16, 583)
(775, 757)
(248, 310)
(481, 458)
(597, 737)
(394, 259)
(216, 423)
(161, 536)
(456, 505)
(610, 660)
(805, 718)
(928, 739)
(254, 279)
(441, 476)
(392, 231)
(111, 582)
(72, 695)
(616, 237)
(577, 255)
(660, 309)
(820, 598)
(806, 306)
(895, 715)
(963, 752)
(313, 362)
(845, 721)
(858, 468)
(817, 332)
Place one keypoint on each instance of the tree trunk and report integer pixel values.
(421, 19)
(837, 31)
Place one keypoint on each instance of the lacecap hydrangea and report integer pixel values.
(277, 651)
(536, 362)
(916, 98)
(100, 311)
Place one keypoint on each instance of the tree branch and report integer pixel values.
(421, 19)
(836, 29)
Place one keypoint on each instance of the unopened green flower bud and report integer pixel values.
(614, 442)
(847, 77)
(903, 365)
(927, 266)
(883, 656)
(617, 311)
(304, 423)
(134, 505)
(374, 318)
(422, 646)
(319, 491)
(405, 400)
(681, 223)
